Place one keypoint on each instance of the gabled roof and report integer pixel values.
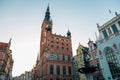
(3, 46)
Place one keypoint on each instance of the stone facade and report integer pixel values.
(109, 48)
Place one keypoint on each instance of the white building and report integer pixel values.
(109, 48)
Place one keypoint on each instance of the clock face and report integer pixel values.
(47, 26)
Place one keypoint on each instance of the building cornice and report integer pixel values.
(114, 19)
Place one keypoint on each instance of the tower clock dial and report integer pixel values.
(48, 27)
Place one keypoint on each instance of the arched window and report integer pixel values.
(52, 37)
(57, 39)
(114, 28)
(112, 62)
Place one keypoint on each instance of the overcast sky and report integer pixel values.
(21, 20)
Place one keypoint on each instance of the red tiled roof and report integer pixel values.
(3, 46)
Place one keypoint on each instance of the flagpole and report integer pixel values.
(111, 13)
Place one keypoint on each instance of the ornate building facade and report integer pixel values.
(95, 60)
(55, 59)
(109, 48)
(6, 61)
(80, 61)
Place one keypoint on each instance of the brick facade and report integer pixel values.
(55, 59)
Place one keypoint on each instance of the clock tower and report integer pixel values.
(55, 59)
(46, 30)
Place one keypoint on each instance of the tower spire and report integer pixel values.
(9, 43)
(68, 33)
(47, 14)
(48, 7)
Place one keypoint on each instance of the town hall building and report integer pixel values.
(55, 59)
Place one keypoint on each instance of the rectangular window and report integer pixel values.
(115, 30)
(51, 56)
(119, 23)
(51, 69)
(58, 70)
(69, 70)
(63, 58)
(64, 79)
(62, 47)
(57, 47)
(64, 70)
(51, 79)
(58, 57)
(68, 57)
(51, 46)
(70, 78)
(57, 78)
(105, 34)
(42, 72)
